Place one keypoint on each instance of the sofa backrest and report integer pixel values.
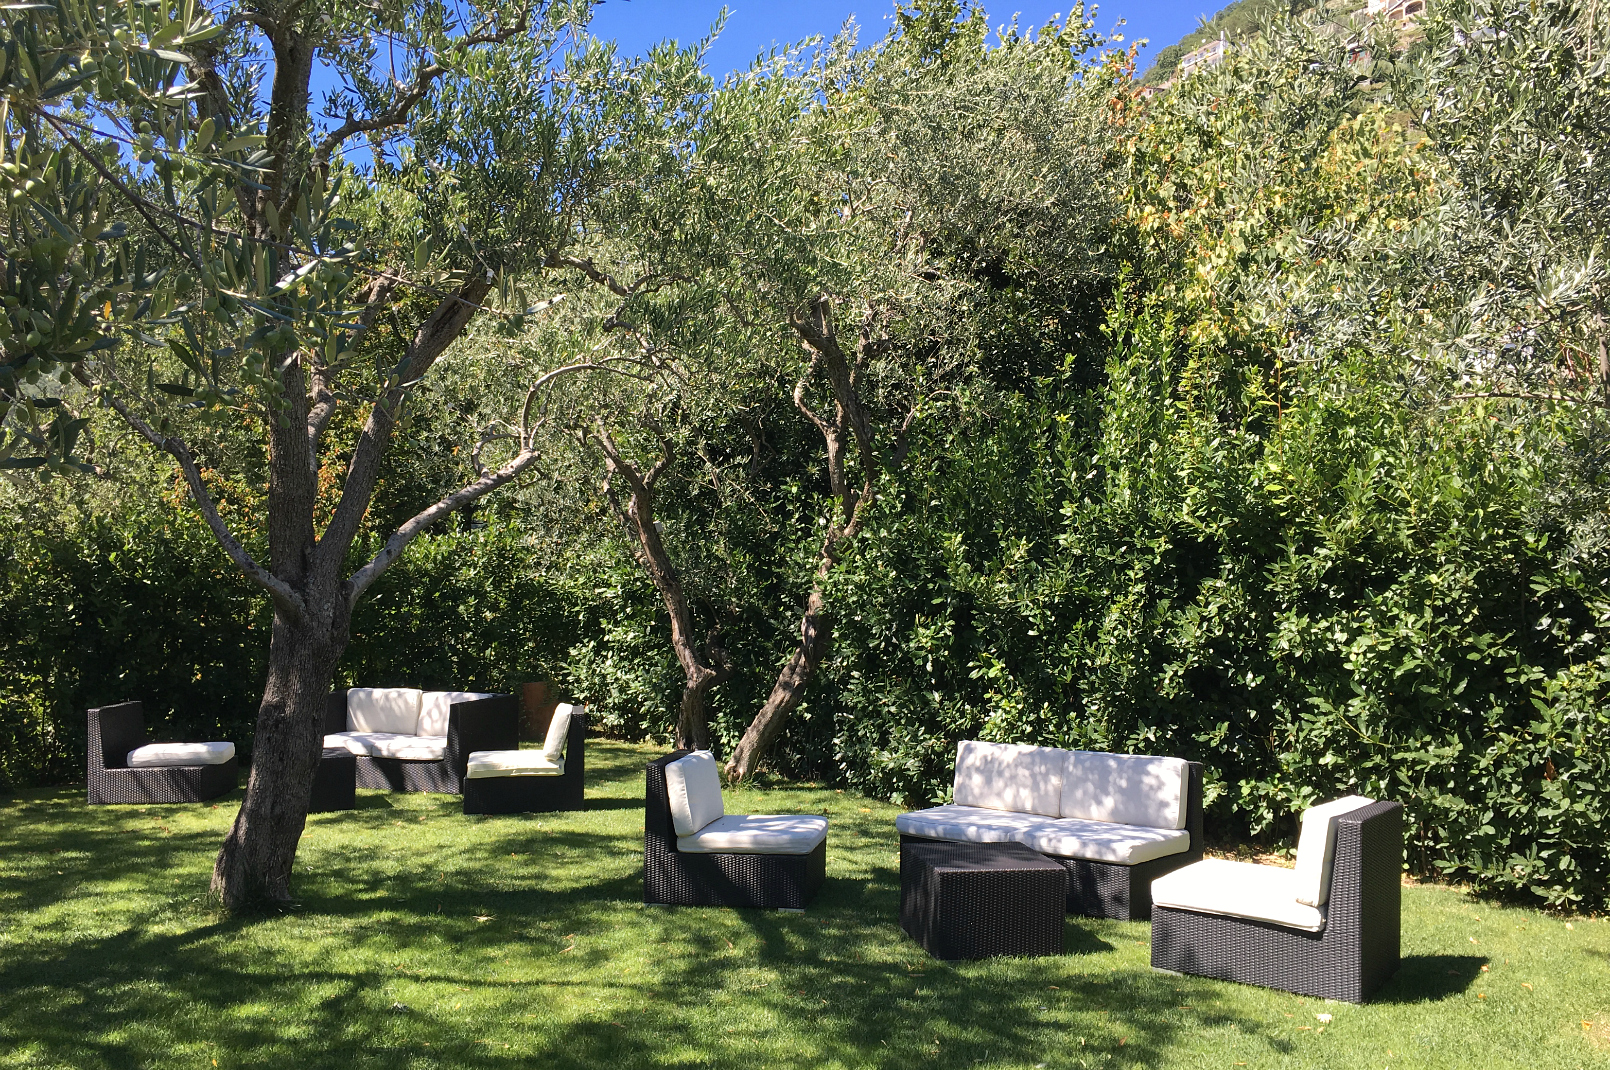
(383, 709)
(1127, 789)
(1316, 847)
(435, 708)
(693, 788)
(1009, 776)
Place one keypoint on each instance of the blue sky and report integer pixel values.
(756, 25)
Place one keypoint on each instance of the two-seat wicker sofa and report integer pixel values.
(411, 740)
(1115, 822)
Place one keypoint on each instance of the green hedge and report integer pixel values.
(95, 610)
(1353, 599)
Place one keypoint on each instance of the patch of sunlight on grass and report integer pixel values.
(425, 938)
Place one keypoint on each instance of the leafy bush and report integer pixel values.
(96, 609)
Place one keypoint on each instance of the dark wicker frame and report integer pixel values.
(1111, 890)
(535, 794)
(479, 724)
(335, 782)
(1356, 953)
(671, 878)
(116, 730)
(1010, 903)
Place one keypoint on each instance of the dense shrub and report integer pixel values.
(143, 605)
(96, 609)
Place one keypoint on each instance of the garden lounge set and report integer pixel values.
(1033, 834)
(391, 739)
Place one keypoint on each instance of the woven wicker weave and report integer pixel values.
(976, 900)
(116, 730)
(334, 782)
(479, 724)
(1109, 890)
(535, 794)
(671, 878)
(1354, 955)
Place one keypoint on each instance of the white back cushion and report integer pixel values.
(694, 788)
(1008, 776)
(558, 731)
(383, 709)
(434, 706)
(1316, 848)
(1129, 789)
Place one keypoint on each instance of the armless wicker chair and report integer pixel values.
(114, 731)
(1353, 951)
(673, 877)
(516, 794)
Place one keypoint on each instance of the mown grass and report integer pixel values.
(428, 939)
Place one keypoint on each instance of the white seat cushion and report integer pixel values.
(1009, 776)
(553, 746)
(153, 755)
(435, 707)
(694, 788)
(966, 824)
(757, 834)
(390, 745)
(1104, 841)
(1096, 841)
(484, 764)
(1316, 847)
(1238, 890)
(1131, 789)
(355, 742)
(383, 709)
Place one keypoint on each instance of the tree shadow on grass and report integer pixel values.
(530, 932)
(614, 804)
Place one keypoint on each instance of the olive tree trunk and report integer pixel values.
(848, 422)
(703, 665)
(254, 865)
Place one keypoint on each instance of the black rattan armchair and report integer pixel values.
(116, 730)
(1353, 955)
(481, 724)
(535, 794)
(676, 878)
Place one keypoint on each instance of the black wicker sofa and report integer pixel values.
(117, 733)
(674, 876)
(1115, 822)
(410, 740)
(1330, 928)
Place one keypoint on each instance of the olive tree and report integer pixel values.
(929, 174)
(196, 245)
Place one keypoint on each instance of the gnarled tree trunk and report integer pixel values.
(703, 666)
(848, 421)
(254, 864)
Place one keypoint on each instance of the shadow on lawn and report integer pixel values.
(1430, 978)
(536, 924)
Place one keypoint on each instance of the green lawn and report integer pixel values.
(429, 939)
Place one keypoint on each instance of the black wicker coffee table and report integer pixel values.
(335, 785)
(975, 900)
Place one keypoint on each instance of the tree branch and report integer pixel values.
(282, 593)
(424, 77)
(410, 530)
